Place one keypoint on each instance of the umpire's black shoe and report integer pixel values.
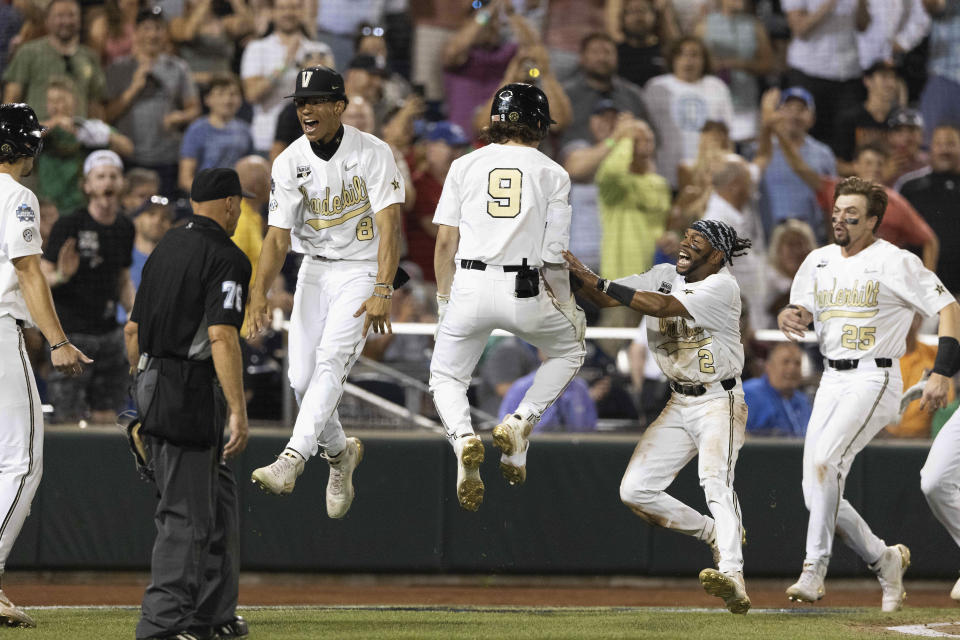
(236, 628)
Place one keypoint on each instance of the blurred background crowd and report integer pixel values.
(667, 111)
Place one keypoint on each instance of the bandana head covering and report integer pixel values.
(722, 237)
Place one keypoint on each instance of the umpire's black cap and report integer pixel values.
(319, 81)
(214, 184)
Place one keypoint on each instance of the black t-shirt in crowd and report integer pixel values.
(288, 125)
(196, 277)
(857, 127)
(87, 303)
(935, 197)
(639, 64)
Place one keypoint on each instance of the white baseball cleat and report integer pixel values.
(470, 455)
(727, 586)
(340, 484)
(890, 569)
(11, 615)
(510, 436)
(279, 476)
(955, 592)
(809, 587)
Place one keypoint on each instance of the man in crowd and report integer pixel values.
(777, 406)
(87, 300)
(868, 121)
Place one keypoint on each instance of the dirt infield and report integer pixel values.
(101, 588)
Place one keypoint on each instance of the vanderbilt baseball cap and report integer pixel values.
(319, 81)
(214, 184)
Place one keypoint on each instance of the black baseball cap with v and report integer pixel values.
(319, 81)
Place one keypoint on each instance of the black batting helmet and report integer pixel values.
(21, 135)
(319, 81)
(519, 103)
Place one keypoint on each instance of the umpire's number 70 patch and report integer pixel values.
(233, 295)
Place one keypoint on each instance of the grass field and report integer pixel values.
(436, 623)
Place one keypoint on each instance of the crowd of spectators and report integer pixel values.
(667, 111)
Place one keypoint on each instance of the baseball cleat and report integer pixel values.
(340, 485)
(514, 468)
(955, 592)
(470, 455)
(809, 587)
(890, 569)
(279, 476)
(13, 616)
(510, 436)
(727, 586)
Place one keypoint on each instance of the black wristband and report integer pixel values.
(575, 283)
(54, 347)
(948, 357)
(621, 293)
(601, 284)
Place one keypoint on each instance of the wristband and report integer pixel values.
(601, 284)
(948, 357)
(381, 295)
(442, 298)
(621, 293)
(385, 285)
(58, 345)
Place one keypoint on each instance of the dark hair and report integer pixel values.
(596, 35)
(53, 2)
(500, 132)
(875, 147)
(718, 126)
(224, 79)
(874, 194)
(678, 45)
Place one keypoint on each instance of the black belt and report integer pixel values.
(479, 265)
(20, 323)
(699, 389)
(843, 365)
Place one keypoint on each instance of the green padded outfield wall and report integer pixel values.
(93, 512)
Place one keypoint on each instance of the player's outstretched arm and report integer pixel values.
(377, 306)
(948, 360)
(36, 293)
(276, 244)
(605, 293)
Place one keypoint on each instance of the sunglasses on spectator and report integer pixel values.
(160, 200)
(372, 31)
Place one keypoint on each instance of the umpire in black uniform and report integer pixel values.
(183, 340)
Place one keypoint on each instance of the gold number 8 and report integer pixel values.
(505, 189)
(365, 229)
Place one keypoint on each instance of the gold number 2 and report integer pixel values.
(706, 361)
(365, 229)
(504, 187)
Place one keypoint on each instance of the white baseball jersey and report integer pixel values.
(502, 218)
(329, 205)
(863, 305)
(702, 350)
(19, 236)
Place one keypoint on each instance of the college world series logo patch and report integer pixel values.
(25, 213)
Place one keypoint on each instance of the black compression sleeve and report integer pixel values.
(948, 357)
(621, 293)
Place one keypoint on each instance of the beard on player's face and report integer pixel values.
(695, 251)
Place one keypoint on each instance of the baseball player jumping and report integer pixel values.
(503, 219)
(696, 342)
(335, 198)
(861, 294)
(24, 299)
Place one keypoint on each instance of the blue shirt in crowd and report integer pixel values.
(136, 272)
(770, 414)
(216, 148)
(784, 195)
(573, 411)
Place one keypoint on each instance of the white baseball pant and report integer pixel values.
(711, 427)
(940, 477)
(21, 436)
(850, 408)
(325, 341)
(481, 301)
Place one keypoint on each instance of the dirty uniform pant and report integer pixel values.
(850, 408)
(195, 567)
(712, 428)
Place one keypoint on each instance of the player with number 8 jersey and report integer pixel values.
(335, 199)
(504, 219)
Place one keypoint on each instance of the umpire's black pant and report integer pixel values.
(195, 567)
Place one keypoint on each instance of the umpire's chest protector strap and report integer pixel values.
(556, 237)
